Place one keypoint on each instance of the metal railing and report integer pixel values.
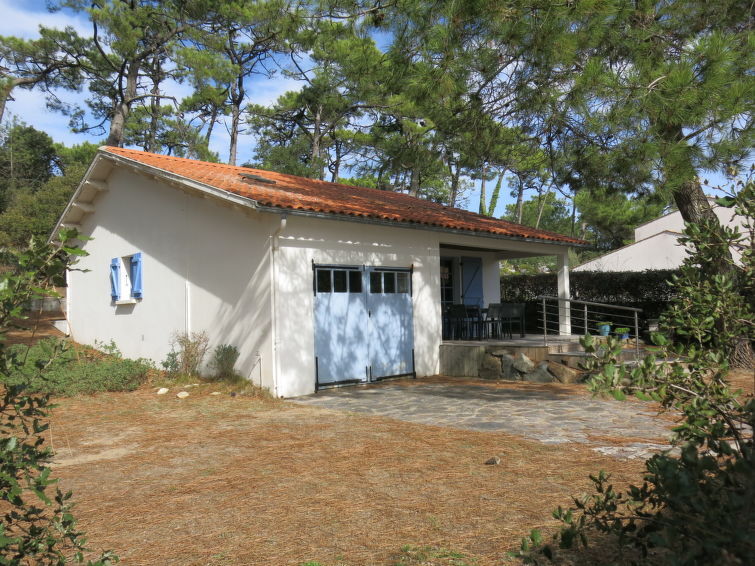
(587, 316)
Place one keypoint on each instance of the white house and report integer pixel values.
(656, 244)
(315, 283)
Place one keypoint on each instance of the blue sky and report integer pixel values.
(22, 18)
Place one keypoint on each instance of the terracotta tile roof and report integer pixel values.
(299, 193)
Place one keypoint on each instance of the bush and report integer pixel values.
(37, 526)
(223, 361)
(67, 375)
(649, 290)
(695, 505)
(187, 354)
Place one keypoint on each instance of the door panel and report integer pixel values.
(391, 322)
(363, 323)
(341, 325)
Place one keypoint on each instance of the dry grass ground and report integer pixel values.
(236, 480)
(217, 480)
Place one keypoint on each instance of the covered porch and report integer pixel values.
(470, 286)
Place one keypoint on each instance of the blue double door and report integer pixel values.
(363, 323)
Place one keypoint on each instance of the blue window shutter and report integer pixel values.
(136, 275)
(115, 278)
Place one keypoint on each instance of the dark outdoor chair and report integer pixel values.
(456, 316)
(493, 323)
(513, 314)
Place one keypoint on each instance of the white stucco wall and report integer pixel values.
(674, 222)
(660, 251)
(308, 240)
(210, 267)
(656, 245)
(205, 268)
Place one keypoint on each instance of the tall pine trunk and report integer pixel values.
(122, 107)
(236, 98)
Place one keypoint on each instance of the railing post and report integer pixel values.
(545, 325)
(585, 332)
(636, 336)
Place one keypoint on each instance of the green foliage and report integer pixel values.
(695, 503)
(224, 358)
(37, 178)
(187, 354)
(47, 62)
(650, 291)
(69, 373)
(612, 217)
(37, 526)
(415, 555)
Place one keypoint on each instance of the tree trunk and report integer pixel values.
(122, 108)
(414, 182)
(213, 119)
(317, 135)
(519, 200)
(454, 181)
(483, 195)
(115, 136)
(496, 193)
(237, 97)
(4, 96)
(541, 206)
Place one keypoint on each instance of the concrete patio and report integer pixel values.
(549, 413)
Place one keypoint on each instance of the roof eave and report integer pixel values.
(175, 178)
(412, 225)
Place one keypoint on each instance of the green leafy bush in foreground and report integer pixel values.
(69, 374)
(695, 503)
(36, 522)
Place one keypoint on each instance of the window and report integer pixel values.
(126, 279)
(386, 281)
(330, 280)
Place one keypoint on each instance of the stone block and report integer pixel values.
(507, 368)
(490, 368)
(540, 374)
(564, 373)
(523, 364)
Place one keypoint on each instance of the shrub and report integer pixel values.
(223, 361)
(695, 506)
(37, 526)
(649, 290)
(187, 353)
(68, 375)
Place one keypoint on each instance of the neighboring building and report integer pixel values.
(656, 245)
(315, 283)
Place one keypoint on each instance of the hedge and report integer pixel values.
(647, 290)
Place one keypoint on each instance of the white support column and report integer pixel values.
(564, 309)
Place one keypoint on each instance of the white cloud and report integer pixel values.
(29, 107)
(22, 19)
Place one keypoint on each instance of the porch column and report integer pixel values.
(564, 309)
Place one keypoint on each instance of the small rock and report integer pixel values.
(494, 461)
(490, 368)
(539, 375)
(564, 373)
(192, 385)
(215, 393)
(162, 391)
(182, 394)
(523, 363)
(507, 367)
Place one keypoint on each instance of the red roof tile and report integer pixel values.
(299, 193)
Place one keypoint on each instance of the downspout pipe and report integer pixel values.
(274, 247)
